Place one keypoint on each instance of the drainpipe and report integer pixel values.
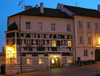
(20, 43)
(74, 42)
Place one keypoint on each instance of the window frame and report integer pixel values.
(80, 24)
(80, 40)
(68, 44)
(85, 53)
(42, 60)
(68, 28)
(68, 58)
(10, 42)
(40, 26)
(53, 26)
(96, 26)
(28, 25)
(90, 40)
(40, 41)
(52, 43)
(30, 61)
(88, 25)
(27, 42)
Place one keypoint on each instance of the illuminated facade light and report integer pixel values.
(53, 61)
(69, 43)
(11, 55)
(54, 43)
(40, 60)
(98, 40)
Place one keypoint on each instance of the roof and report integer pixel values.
(83, 11)
(48, 12)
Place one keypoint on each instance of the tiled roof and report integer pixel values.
(83, 11)
(48, 12)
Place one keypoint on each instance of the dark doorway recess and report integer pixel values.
(3, 69)
(97, 55)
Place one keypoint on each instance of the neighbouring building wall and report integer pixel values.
(33, 36)
(2, 61)
(90, 36)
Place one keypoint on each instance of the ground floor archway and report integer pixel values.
(54, 62)
(97, 55)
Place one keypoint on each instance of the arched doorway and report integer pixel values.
(55, 62)
(3, 69)
(97, 55)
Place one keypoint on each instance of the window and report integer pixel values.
(80, 24)
(91, 54)
(89, 40)
(68, 27)
(69, 43)
(53, 27)
(81, 39)
(69, 59)
(85, 52)
(88, 25)
(54, 43)
(40, 60)
(10, 42)
(40, 43)
(40, 27)
(28, 60)
(27, 25)
(97, 40)
(96, 26)
(28, 42)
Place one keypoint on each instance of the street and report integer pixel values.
(85, 70)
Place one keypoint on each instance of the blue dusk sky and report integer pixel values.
(10, 7)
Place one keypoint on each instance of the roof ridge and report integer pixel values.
(81, 7)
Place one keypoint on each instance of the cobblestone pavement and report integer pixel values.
(86, 70)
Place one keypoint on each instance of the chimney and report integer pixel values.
(3, 50)
(28, 7)
(36, 6)
(41, 8)
(99, 7)
(62, 8)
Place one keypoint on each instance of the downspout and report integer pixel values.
(74, 42)
(20, 43)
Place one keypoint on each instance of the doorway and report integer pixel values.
(97, 55)
(54, 62)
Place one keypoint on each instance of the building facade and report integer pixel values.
(43, 38)
(39, 38)
(86, 32)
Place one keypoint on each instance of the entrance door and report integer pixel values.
(55, 62)
(97, 55)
